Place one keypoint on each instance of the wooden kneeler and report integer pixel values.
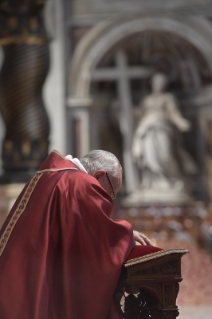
(149, 283)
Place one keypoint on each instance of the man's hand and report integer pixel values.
(142, 239)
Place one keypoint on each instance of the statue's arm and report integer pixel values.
(140, 110)
(175, 115)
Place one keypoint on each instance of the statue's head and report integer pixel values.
(159, 82)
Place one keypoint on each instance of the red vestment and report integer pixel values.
(60, 253)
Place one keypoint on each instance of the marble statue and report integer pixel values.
(157, 150)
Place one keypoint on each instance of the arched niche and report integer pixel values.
(101, 38)
(100, 41)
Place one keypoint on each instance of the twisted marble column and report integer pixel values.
(25, 66)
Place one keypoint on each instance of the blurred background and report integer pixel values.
(131, 77)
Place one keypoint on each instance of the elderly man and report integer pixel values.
(60, 253)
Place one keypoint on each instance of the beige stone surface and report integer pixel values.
(8, 196)
(195, 312)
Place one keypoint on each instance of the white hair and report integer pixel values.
(101, 160)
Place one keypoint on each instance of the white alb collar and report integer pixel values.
(76, 162)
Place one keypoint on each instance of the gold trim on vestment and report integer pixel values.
(23, 204)
(155, 255)
(55, 170)
(18, 212)
(58, 153)
(23, 40)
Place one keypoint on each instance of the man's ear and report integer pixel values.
(99, 174)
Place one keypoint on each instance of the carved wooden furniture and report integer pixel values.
(149, 285)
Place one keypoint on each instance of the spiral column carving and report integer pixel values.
(25, 67)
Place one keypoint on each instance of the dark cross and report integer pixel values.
(122, 73)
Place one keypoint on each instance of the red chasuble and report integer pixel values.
(60, 253)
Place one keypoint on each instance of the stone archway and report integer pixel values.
(101, 38)
(98, 42)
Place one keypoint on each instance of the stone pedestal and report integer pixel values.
(8, 195)
(147, 197)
